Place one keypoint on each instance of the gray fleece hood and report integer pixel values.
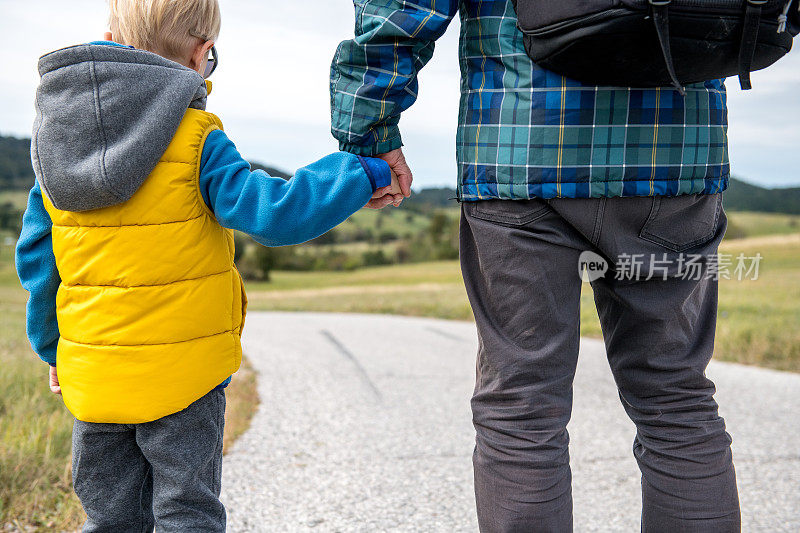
(104, 117)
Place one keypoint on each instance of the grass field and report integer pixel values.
(18, 199)
(758, 224)
(757, 325)
(757, 321)
(34, 426)
(394, 220)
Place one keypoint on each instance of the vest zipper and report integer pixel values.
(565, 25)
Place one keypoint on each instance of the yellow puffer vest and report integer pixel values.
(151, 306)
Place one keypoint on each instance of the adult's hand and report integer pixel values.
(397, 162)
(401, 182)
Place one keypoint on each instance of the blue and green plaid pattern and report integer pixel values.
(524, 131)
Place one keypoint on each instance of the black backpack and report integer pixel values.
(656, 43)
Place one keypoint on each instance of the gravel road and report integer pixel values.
(364, 426)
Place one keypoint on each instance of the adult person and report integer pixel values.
(550, 168)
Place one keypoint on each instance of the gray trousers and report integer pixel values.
(520, 265)
(164, 474)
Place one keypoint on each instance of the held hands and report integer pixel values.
(55, 388)
(401, 182)
(386, 195)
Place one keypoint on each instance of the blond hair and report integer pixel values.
(170, 28)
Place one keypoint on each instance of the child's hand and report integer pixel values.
(55, 388)
(395, 186)
(390, 195)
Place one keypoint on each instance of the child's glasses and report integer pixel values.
(212, 63)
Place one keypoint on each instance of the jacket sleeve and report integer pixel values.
(278, 212)
(36, 268)
(374, 75)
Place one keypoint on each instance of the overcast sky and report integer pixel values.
(271, 90)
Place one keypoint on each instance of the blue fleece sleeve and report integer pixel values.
(278, 212)
(36, 268)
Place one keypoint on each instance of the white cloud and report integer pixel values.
(271, 90)
(764, 129)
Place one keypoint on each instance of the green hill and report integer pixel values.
(744, 196)
(15, 163)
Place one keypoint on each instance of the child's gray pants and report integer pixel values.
(164, 474)
(520, 265)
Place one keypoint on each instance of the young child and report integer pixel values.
(127, 252)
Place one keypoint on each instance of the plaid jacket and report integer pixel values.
(524, 131)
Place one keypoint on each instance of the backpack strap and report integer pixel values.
(660, 10)
(752, 19)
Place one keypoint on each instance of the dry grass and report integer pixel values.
(35, 479)
(440, 300)
(757, 322)
(35, 431)
(242, 402)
